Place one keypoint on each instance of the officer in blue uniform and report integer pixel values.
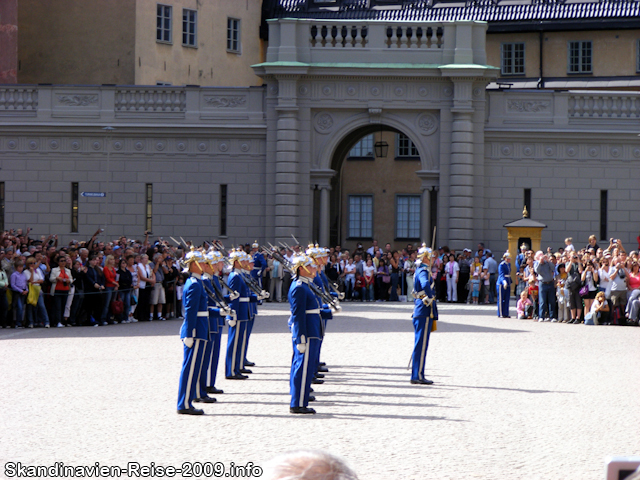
(238, 321)
(194, 333)
(503, 285)
(306, 331)
(425, 314)
(217, 313)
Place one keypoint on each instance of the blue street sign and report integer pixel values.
(93, 194)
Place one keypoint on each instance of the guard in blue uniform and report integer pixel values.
(259, 263)
(425, 314)
(503, 285)
(306, 332)
(253, 311)
(194, 333)
(238, 321)
(319, 257)
(217, 312)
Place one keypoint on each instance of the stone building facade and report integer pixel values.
(139, 42)
(267, 162)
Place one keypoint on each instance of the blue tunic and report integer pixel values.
(504, 293)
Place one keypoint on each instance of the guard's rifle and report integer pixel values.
(324, 296)
(218, 300)
(225, 257)
(335, 290)
(248, 280)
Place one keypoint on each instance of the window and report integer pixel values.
(527, 200)
(360, 216)
(408, 216)
(363, 149)
(233, 35)
(580, 57)
(604, 200)
(638, 56)
(512, 58)
(148, 210)
(223, 210)
(163, 25)
(1, 205)
(74, 207)
(189, 24)
(405, 147)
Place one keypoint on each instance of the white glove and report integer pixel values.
(341, 296)
(233, 295)
(188, 342)
(427, 301)
(264, 294)
(504, 283)
(227, 311)
(338, 308)
(302, 347)
(232, 322)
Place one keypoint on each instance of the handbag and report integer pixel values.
(584, 291)
(34, 294)
(117, 306)
(588, 319)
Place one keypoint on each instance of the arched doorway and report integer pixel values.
(388, 196)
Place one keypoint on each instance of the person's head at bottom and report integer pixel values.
(307, 465)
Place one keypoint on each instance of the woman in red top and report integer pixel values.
(111, 286)
(634, 277)
(61, 280)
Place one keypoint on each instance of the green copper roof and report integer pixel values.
(395, 66)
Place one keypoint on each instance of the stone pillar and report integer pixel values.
(430, 180)
(461, 167)
(321, 178)
(324, 214)
(287, 214)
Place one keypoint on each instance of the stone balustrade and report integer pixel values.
(317, 42)
(604, 105)
(18, 99)
(113, 104)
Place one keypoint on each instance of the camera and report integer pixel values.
(619, 468)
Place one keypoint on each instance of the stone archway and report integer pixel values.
(330, 182)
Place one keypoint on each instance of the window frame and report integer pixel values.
(580, 62)
(148, 209)
(230, 40)
(408, 196)
(188, 22)
(638, 55)
(410, 146)
(513, 58)
(162, 16)
(362, 235)
(359, 144)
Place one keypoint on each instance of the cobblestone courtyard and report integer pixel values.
(512, 399)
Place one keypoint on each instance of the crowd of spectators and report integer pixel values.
(45, 284)
(91, 282)
(563, 286)
(592, 285)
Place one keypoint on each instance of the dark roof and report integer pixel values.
(441, 11)
(526, 223)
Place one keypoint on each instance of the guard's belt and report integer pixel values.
(243, 299)
(203, 314)
(315, 310)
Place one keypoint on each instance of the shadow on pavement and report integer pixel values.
(274, 321)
